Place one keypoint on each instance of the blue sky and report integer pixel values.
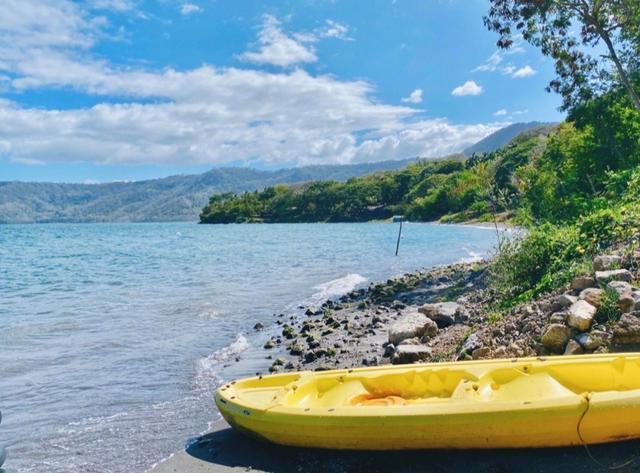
(102, 90)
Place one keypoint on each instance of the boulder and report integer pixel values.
(621, 287)
(604, 277)
(563, 301)
(412, 324)
(558, 318)
(627, 330)
(593, 340)
(606, 262)
(580, 315)
(582, 282)
(573, 348)
(555, 338)
(592, 295)
(442, 313)
(626, 303)
(411, 354)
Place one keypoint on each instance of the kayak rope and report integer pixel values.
(587, 398)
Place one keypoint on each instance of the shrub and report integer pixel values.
(608, 312)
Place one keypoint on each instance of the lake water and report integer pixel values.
(113, 336)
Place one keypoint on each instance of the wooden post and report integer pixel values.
(399, 234)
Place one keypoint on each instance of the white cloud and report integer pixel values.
(521, 112)
(414, 97)
(492, 63)
(117, 5)
(526, 71)
(501, 113)
(189, 8)
(468, 88)
(333, 29)
(207, 115)
(278, 49)
(495, 62)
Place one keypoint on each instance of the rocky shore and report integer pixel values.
(448, 313)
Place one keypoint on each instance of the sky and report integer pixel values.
(103, 90)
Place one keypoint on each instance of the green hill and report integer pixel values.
(175, 198)
(504, 135)
(453, 189)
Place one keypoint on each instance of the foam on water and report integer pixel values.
(336, 287)
(208, 375)
(473, 256)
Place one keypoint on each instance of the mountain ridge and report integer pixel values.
(178, 197)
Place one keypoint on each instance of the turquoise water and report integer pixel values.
(113, 336)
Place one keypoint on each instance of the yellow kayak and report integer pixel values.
(526, 402)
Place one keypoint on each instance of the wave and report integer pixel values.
(207, 369)
(336, 287)
(473, 256)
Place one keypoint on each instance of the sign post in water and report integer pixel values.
(398, 218)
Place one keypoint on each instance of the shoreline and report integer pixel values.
(439, 314)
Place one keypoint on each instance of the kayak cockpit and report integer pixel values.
(525, 381)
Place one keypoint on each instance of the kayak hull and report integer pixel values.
(529, 402)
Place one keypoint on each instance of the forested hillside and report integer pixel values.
(452, 189)
(172, 198)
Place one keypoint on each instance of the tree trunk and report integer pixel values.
(623, 74)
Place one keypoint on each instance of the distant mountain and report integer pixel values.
(505, 135)
(175, 198)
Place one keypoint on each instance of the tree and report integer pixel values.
(601, 53)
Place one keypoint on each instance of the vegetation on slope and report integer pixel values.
(453, 188)
(173, 198)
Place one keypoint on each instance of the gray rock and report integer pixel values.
(442, 313)
(592, 295)
(573, 348)
(310, 357)
(411, 354)
(389, 350)
(582, 282)
(593, 340)
(413, 324)
(471, 343)
(410, 341)
(580, 315)
(603, 277)
(558, 318)
(555, 338)
(621, 287)
(564, 300)
(606, 262)
(296, 349)
(627, 330)
(626, 303)
(461, 316)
